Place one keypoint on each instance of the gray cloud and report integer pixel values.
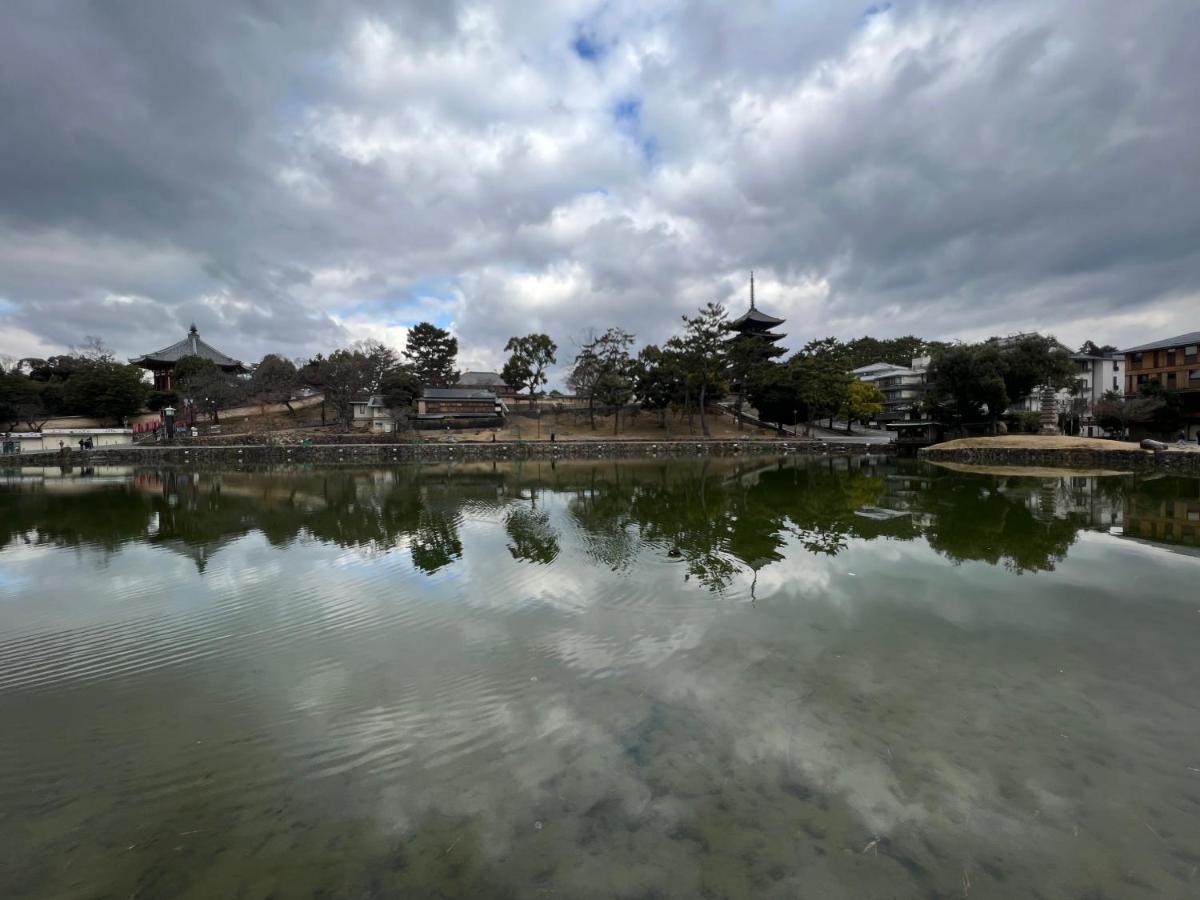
(292, 175)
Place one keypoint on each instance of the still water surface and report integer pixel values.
(726, 679)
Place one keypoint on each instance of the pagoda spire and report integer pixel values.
(752, 289)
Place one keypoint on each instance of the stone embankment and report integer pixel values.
(350, 454)
(1123, 457)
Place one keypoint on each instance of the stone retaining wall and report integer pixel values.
(1179, 462)
(334, 454)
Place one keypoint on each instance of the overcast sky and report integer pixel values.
(293, 175)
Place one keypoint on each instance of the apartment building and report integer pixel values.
(901, 386)
(1173, 361)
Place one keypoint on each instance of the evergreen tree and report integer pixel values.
(106, 389)
(431, 351)
(705, 362)
(604, 370)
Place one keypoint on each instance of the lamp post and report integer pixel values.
(169, 420)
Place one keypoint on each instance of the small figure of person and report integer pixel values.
(81, 445)
(1182, 436)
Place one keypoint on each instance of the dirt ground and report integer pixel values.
(1047, 442)
(570, 428)
(1026, 471)
(566, 426)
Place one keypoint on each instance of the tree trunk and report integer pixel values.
(288, 404)
(703, 420)
(737, 409)
(592, 408)
(616, 419)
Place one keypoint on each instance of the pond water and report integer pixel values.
(727, 679)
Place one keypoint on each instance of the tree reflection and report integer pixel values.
(998, 519)
(715, 518)
(532, 537)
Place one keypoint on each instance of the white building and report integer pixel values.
(901, 386)
(1094, 376)
(372, 414)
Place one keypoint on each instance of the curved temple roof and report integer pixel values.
(755, 316)
(189, 346)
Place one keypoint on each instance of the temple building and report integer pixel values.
(754, 322)
(162, 362)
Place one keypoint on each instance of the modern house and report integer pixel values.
(162, 362)
(371, 413)
(1174, 363)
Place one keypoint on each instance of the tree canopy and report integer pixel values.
(432, 351)
(604, 372)
(106, 389)
(704, 356)
(978, 382)
(526, 367)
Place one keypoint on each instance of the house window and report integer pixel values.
(1116, 367)
(1194, 375)
(1171, 380)
(1170, 357)
(1137, 360)
(1189, 351)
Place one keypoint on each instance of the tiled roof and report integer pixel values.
(757, 316)
(190, 346)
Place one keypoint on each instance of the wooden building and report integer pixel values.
(757, 323)
(1168, 520)
(487, 381)
(162, 362)
(459, 403)
(1174, 363)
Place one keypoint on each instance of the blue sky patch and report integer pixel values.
(410, 305)
(628, 112)
(587, 47)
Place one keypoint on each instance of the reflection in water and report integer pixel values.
(550, 680)
(719, 518)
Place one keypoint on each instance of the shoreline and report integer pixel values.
(1059, 453)
(378, 452)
